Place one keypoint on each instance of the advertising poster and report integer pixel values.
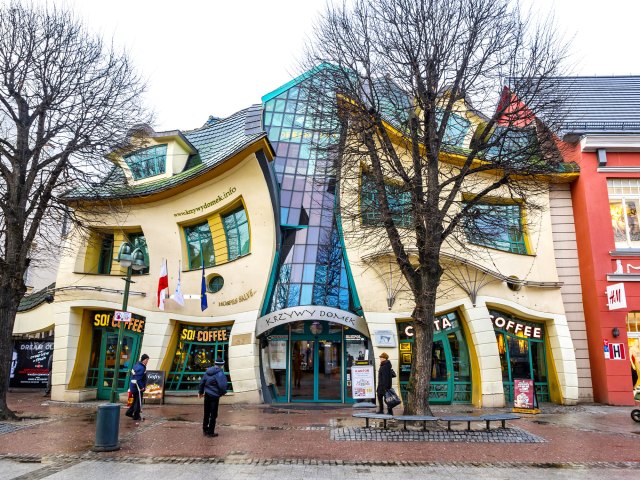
(277, 353)
(362, 382)
(29, 364)
(524, 394)
(154, 393)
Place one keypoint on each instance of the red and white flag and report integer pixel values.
(163, 285)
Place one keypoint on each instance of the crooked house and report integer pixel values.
(294, 301)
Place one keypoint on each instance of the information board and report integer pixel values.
(362, 382)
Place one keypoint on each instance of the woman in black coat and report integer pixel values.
(384, 381)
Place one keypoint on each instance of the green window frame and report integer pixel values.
(147, 162)
(399, 204)
(193, 357)
(138, 240)
(236, 229)
(106, 254)
(199, 245)
(497, 225)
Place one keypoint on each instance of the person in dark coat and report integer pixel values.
(213, 385)
(384, 381)
(137, 384)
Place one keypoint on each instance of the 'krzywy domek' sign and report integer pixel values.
(311, 312)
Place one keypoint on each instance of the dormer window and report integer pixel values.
(148, 162)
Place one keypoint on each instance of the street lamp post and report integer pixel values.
(131, 260)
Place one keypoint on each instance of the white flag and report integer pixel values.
(178, 297)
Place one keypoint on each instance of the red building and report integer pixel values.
(603, 135)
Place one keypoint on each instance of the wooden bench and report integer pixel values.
(500, 417)
(415, 418)
(373, 416)
(460, 418)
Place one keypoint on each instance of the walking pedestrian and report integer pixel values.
(384, 381)
(137, 384)
(212, 386)
(47, 391)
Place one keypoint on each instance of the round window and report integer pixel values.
(216, 282)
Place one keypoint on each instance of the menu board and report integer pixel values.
(524, 395)
(154, 393)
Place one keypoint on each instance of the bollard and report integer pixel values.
(107, 428)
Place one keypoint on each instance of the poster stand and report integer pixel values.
(524, 397)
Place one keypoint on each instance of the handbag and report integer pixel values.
(393, 373)
(129, 399)
(391, 398)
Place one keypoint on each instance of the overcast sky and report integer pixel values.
(215, 57)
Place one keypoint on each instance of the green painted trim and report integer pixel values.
(272, 281)
(295, 81)
(352, 286)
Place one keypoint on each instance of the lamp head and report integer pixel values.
(125, 259)
(137, 257)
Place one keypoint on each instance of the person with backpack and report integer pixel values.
(212, 386)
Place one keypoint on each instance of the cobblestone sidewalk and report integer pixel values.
(498, 435)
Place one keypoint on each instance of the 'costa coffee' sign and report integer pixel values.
(516, 327)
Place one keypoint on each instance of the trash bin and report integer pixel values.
(107, 428)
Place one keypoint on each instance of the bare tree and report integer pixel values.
(394, 83)
(66, 100)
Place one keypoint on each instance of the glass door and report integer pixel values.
(128, 354)
(329, 371)
(303, 366)
(441, 379)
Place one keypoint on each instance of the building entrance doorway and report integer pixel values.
(317, 370)
(104, 344)
(311, 361)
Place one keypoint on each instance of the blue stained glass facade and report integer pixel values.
(311, 268)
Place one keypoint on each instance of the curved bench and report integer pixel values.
(459, 418)
(499, 417)
(373, 416)
(416, 418)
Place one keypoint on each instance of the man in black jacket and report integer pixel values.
(213, 385)
(384, 381)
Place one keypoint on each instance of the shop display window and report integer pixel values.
(196, 351)
(633, 339)
(624, 198)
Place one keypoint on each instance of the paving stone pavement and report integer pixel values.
(69, 468)
(497, 435)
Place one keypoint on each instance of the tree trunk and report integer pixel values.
(423, 329)
(10, 295)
